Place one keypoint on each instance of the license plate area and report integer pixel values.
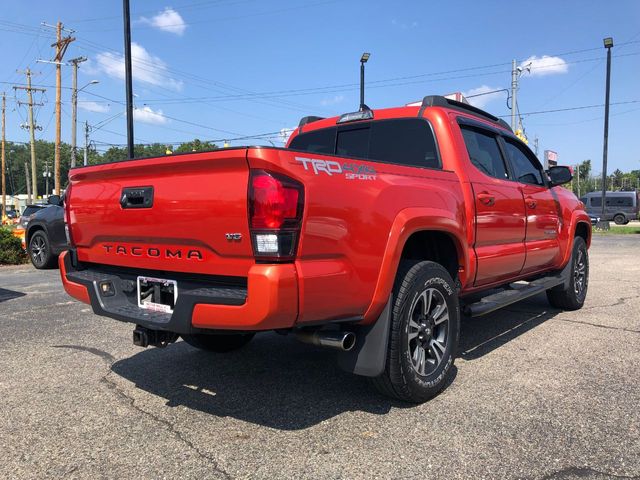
(157, 294)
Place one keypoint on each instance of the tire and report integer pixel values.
(573, 297)
(620, 219)
(426, 317)
(40, 251)
(219, 343)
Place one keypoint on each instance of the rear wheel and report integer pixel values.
(218, 343)
(40, 251)
(425, 328)
(620, 219)
(573, 297)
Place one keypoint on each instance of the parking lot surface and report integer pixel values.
(538, 394)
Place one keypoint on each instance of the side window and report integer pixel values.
(405, 142)
(525, 169)
(317, 141)
(596, 201)
(353, 142)
(484, 152)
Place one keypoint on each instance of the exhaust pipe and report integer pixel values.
(344, 341)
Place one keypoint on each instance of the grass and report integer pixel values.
(618, 231)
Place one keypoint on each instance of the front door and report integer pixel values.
(500, 210)
(541, 206)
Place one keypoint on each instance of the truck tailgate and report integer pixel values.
(183, 213)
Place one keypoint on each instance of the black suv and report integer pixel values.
(45, 235)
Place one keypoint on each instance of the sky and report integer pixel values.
(225, 69)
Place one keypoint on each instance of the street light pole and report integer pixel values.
(127, 75)
(604, 224)
(86, 143)
(363, 60)
(74, 106)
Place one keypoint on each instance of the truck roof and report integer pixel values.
(314, 122)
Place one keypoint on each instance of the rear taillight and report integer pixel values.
(276, 203)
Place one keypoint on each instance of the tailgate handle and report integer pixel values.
(137, 197)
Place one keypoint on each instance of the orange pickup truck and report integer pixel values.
(368, 234)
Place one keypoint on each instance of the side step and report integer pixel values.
(514, 294)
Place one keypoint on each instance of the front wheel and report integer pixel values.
(219, 343)
(425, 328)
(573, 297)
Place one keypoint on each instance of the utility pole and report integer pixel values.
(74, 106)
(578, 178)
(535, 146)
(514, 92)
(61, 48)
(127, 74)
(86, 143)
(4, 169)
(32, 135)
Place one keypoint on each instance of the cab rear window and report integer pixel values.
(406, 141)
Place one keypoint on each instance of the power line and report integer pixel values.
(581, 107)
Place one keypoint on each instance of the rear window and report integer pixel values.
(403, 141)
(318, 141)
(353, 143)
(30, 211)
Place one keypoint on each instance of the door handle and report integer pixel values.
(487, 199)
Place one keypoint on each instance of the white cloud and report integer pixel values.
(332, 101)
(544, 65)
(146, 68)
(90, 106)
(148, 115)
(483, 100)
(403, 25)
(168, 20)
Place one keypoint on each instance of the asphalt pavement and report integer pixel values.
(538, 394)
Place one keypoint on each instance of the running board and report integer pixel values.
(514, 294)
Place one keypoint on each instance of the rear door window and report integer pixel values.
(484, 152)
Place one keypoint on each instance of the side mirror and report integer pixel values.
(54, 200)
(559, 175)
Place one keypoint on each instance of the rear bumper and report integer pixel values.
(268, 301)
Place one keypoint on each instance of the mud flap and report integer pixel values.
(368, 357)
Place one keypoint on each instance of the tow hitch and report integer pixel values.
(145, 337)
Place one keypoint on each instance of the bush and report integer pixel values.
(11, 252)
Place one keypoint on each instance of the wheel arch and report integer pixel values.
(421, 234)
(32, 230)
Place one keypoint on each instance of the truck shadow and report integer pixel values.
(280, 383)
(6, 294)
(274, 381)
(479, 336)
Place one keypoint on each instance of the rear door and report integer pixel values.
(500, 211)
(541, 205)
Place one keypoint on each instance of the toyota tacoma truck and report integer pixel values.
(371, 233)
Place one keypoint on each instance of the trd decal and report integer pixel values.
(351, 171)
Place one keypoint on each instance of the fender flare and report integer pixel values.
(407, 222)
(577, 217)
